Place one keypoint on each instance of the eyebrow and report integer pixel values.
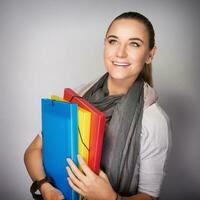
(135, 38)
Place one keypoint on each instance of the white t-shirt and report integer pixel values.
(154, 149)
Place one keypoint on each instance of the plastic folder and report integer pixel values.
(59, 140)
(96, 129)
(84, 118)
(57, 98)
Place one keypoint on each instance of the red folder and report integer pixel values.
(98, 120)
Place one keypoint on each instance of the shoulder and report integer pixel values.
(156, 127)
(155, 113)
(154, 117)
(82, 89)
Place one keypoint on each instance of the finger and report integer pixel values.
(75, 170)
(74, 187)
(57, 196)
(74, 179)
(61, 196)
(85, 167)
(103, 175)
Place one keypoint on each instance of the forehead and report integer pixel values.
(128, 28)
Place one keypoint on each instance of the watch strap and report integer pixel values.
(36, 185)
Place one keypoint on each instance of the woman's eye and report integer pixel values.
(112, 41)
(135, 44)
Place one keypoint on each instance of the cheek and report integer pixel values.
(107, 53)
(139, 57)
(106, 58)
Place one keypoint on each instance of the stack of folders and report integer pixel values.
(70, 126)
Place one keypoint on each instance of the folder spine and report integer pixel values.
(74, 128)
(97, 128)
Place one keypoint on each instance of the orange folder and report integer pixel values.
(98, 120)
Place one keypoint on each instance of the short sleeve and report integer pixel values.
(154, 150)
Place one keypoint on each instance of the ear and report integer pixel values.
(151, 55)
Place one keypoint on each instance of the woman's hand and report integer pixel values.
(50, 193)
(87, 183)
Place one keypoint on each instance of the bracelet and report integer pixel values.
(36, 186)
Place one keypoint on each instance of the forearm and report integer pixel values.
(34, 165)
(33, 162)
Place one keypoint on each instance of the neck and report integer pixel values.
(118, 87)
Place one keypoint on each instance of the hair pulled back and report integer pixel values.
(146, 73)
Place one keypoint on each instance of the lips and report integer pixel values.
(121, 64)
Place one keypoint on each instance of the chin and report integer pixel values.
(118, 76)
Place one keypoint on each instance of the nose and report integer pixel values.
(121, 51)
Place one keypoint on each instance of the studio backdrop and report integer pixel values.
(48, 45)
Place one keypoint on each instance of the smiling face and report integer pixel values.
(126, 49)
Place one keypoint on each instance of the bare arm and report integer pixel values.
(33, 159)
(34, 166)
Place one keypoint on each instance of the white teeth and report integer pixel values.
(121, 64)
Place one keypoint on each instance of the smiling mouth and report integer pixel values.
(120, 64)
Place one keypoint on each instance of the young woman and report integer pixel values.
(137, 133)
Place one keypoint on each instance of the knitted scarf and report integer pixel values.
(121, 145)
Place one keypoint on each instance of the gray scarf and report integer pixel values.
(121, 145)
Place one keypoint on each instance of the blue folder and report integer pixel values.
(59, 141)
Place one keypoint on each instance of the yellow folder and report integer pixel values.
(57, 98)
(84, 118)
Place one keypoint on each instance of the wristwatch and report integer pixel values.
(36, 186)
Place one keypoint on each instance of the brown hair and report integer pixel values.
(146, 73)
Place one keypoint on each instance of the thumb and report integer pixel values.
(60, 195)
(103, 175)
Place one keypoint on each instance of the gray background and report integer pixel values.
(48, 45)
